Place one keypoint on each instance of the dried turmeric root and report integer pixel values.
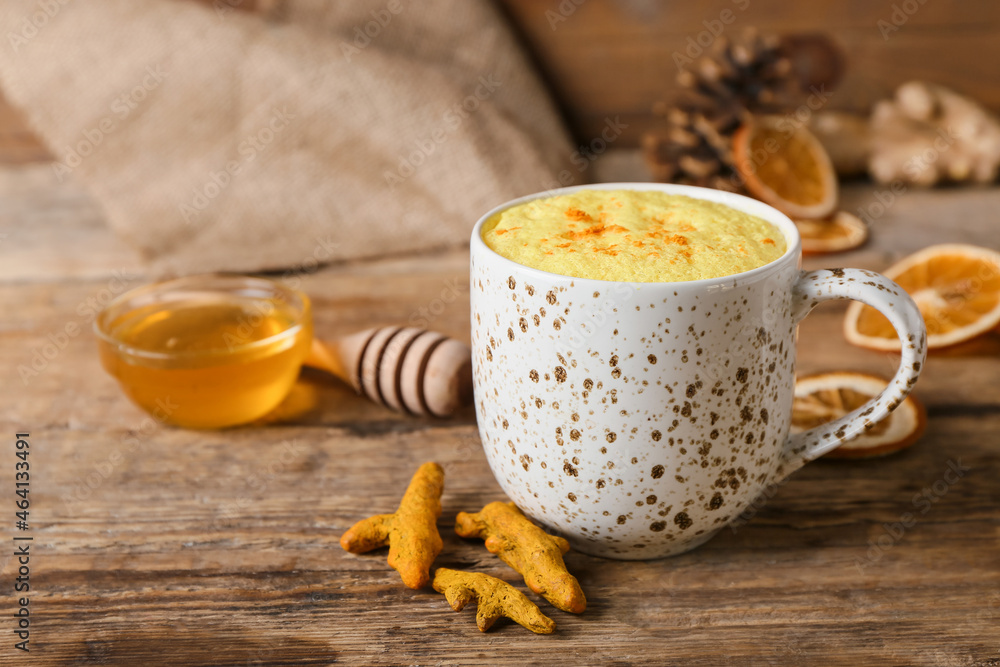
(532, 552)
(411, 532)
(496, 598)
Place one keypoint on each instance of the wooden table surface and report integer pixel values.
(154, 545)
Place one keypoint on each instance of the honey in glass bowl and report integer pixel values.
(206, 351)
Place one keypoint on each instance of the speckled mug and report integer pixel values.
(637, 419)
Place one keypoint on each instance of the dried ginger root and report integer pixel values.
(496, 598)
(532, 552)
(411, 532)
(928, 133)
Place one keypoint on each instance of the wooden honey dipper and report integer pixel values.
(407, 369)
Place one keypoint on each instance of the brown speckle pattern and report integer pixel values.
(637, 433)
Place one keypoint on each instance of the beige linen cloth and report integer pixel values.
(303, 130)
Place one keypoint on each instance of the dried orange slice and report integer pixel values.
(956, 287)
(785, 166)
(843, 231)
(827, 396)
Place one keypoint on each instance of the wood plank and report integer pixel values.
(164, 546)
(44, 391)
(18, 144)
(428, 291)
(53, 367)
(52, 229)
(615, 58)
(647, 18)
(236, 540)
(623, 77)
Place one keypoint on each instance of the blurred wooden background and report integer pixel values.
(607, 58)
(615, 57)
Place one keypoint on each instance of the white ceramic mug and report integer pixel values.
(637, 419)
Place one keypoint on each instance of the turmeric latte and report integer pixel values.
(633, 236)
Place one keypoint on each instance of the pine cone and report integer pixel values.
(748, 74)
(693, 148)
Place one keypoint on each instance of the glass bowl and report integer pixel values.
(206, 351)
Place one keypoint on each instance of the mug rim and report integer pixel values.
(793, 249)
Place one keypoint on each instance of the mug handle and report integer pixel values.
(892, 301)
